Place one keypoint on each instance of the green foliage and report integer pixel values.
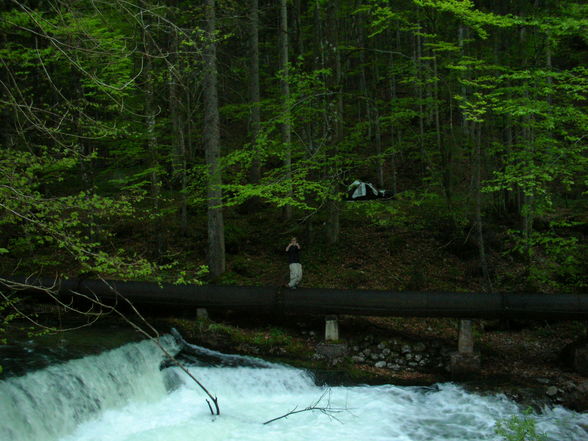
(519, 428)
(556, 259)
(91, 161)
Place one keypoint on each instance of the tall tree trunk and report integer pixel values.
(478, 210)
(444, 150)
(216, 235)
(254, 94)
(417, 63)
(332, 32)
(152, 143)
(179, 159)
(285, 90)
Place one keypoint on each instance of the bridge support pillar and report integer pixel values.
(202, 313)
(331, 328)
(465, 361)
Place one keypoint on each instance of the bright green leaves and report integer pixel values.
(519, 429)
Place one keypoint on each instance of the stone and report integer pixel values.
(331, 350)
(406, 348)
(551, 391)
(578, 399)
(386, 352)
(358, 359)
(380, 364)
(381, 346)
(580, 359)
(420, 347)
(464, 363)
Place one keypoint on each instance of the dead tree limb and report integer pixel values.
(326, 410)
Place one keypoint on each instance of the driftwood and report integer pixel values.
(316, 406)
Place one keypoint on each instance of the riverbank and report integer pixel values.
(523, 360)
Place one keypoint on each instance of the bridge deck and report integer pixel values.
(334, 301)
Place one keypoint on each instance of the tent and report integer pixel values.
(363, 191)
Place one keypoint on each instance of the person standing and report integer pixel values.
(293, 252)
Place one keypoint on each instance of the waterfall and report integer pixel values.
(123, 395)
(49, 403)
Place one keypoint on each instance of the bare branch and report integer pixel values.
(326, 410)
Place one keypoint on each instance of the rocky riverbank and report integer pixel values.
(523, 362)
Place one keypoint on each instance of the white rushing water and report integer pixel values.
(122, 396)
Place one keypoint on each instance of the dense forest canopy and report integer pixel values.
(135, 120)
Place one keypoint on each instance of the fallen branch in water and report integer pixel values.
(327, 410)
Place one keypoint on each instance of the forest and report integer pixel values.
(185, 141)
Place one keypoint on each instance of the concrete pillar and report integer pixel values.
(465, 339)
(465, 361)
(202, 313)
(331, 328)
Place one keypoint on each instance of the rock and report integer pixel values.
(386, 352)
(375, 356)
(380, 364)
(331, 350)
(367, 352)
(381, 346)
(418, 357)
(420, 347)
(358, 359)
(464, 363)
(406, 349)
(551, 391)
(543, 380)
(576, 355)
(578, 399)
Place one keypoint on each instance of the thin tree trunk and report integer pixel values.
(444, 151)
(152, 144)
(417, 50)
(478, 210)
(334, 224)
(254, 94)
(178, 140)
(461, 36)
(285, 90)
(216, 237)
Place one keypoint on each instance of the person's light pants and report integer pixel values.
(295, 275)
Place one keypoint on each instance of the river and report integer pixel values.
(126, 394)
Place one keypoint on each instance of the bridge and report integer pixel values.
(325, 301)
(330, 303)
